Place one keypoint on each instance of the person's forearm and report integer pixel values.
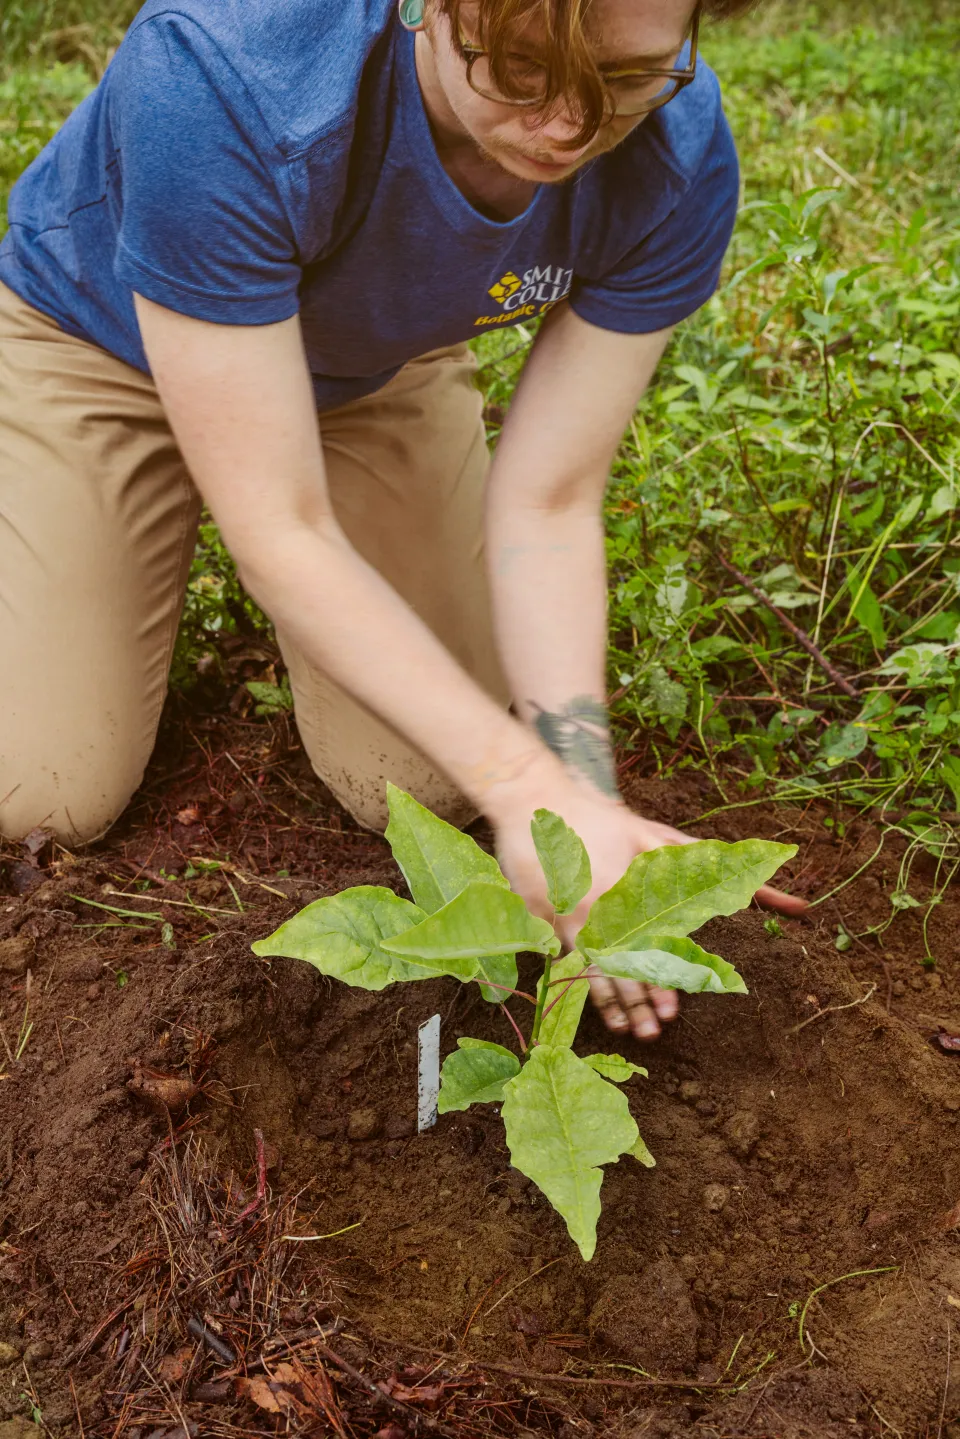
(350, 623)
(241, 405)
(545, 543)
(548, 583)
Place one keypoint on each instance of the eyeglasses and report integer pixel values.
(631, 92)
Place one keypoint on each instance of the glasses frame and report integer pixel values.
(682, 76)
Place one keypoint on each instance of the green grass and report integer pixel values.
(803, 427)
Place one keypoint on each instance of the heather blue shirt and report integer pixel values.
(243, 161)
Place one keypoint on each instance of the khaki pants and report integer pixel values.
(98, 519)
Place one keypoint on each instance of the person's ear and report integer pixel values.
(412, 14)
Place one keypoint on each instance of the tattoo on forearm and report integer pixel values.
(579, 734)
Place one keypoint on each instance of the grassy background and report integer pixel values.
(802, 429)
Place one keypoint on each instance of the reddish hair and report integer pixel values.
(572, 76)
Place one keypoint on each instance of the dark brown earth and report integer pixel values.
(790, 1156)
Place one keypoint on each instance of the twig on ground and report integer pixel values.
(946, 1386)
(414, 1417)
(609, 1383)
(76, 1404)
(832, 1009)
(801, 636)
(220, 1348)
(549, 1265)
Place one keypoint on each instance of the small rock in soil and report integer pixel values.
(363, 1124)
(16, 955)
(23, 877)
(8, 1355)
(741, 1131)
(649, 1320)
(715, 1197)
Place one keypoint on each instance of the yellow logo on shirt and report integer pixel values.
(506, 286)
(533, 293)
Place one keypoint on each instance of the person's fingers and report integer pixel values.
(604, 994)
(666, 1002)
(625, 1004)
(770, 898)
(635, 1001)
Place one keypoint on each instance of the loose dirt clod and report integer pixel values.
(363, 1124)
(742, 1131)
(16, 955)
(715, 1197)
(162, 1090)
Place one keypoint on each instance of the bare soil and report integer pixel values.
(802, 1136)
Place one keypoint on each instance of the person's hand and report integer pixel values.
(613, 836)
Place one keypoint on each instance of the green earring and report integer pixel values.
(411, 14)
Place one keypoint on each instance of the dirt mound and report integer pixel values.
(788, 1268)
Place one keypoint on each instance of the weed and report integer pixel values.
(804, 424)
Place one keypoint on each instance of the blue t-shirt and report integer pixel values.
(243, 161)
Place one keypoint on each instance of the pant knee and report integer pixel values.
(75, 814)
(364, 797)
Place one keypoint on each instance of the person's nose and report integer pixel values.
(556, 129)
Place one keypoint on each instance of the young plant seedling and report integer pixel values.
(564, 1115)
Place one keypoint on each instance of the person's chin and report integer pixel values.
(526, 168)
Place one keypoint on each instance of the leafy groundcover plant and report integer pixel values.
(564, 1115)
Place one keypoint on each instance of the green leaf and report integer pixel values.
(672, 962)
(563, 859)
(945, 499)
(840, 743)
(676, 889)
(950, 775)
(273, 699)
(475, 1074)
(614, 1066)
(867, 613)
(641, 1152)
(559, 1026)
(438, 860)
(343, 936)
(563, 1121)
(501, 969)
(482, 921)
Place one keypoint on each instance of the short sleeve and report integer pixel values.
(676, 268)
(203, 226)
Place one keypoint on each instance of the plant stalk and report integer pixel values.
(541, 998)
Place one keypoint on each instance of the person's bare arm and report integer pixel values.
(547, 565)
(240, 403)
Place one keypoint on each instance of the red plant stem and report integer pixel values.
(261, 1194)
(506, 989)
(516, 1028)
(567, 982)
